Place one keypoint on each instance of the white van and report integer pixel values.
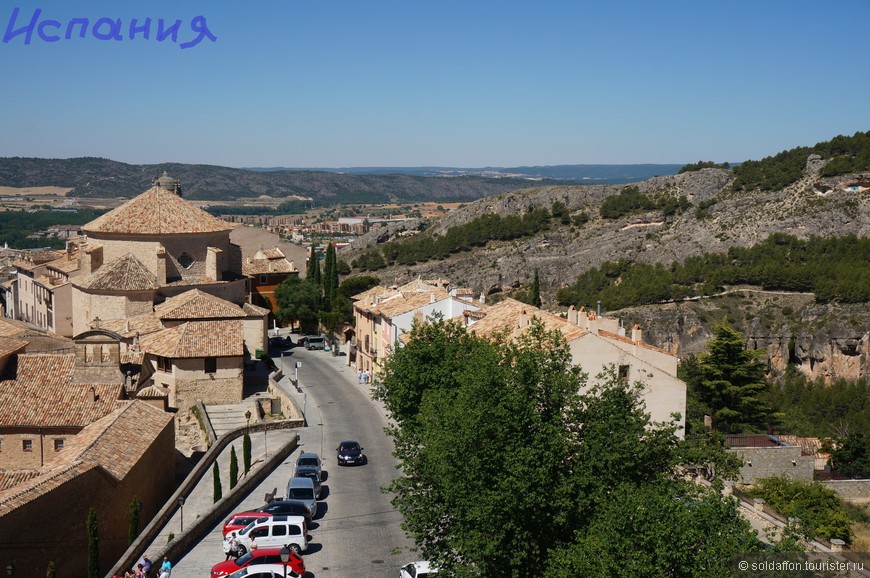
(275, 532)
(315, 342)
(421, 569)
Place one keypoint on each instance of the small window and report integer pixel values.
(27, 445)
(623, 372)
(185, 260)
(211, 364)
(164, 364)
(279, 530)
(264, 279)
(295, 530)
(58, 444)
(260, 532)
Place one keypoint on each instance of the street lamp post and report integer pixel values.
(285, 557)
(248, 418)
(181, 505)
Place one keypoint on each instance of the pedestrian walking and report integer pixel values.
(359, 375)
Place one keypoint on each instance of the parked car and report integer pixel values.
(262, 571)
(257, 557)
(302, 489)
(280, 342)
(310, 460)
(311, 474)
(350, 453)
(315, 342)
(239, 520)
(275, 532)
(421, 569)
(287, 508)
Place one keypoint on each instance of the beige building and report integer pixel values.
(382, 315)
(265, 271)
(155, 246)
(43, 291)
(597, 343)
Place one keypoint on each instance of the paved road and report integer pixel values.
(356, 532)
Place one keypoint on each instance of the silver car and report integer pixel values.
(302, 489)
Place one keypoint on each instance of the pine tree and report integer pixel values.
(234, 468)
(732, 384)
(218, 489)
(246, 453)
(93, 544)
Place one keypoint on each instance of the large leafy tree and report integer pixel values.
(730, 383)
(298, 302)
(508, 470)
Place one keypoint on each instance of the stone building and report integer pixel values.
(155, 246)
(265, 271)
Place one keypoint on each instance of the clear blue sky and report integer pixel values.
(333, 83)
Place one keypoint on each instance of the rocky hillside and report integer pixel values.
(719, 218)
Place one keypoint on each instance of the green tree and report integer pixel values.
(234, 468)
(851, 456)
(93, 544)
(508, 470)
(298, 302)
(312, 268)
(731, 383)
(51, 571)
(536, 290)
(133, 530)
(246, 452)
(218, 491)
(330, 279)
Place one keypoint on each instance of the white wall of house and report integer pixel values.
(664, 395)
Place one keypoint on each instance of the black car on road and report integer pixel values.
(350, 454)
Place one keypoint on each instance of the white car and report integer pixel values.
(421, 569)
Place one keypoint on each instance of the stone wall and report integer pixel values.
(785, 461)
(850, 490)
(61, 510)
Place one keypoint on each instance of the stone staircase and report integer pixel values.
(224, 418)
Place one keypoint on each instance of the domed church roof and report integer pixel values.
(159, 210)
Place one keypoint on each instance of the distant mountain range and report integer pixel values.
(598, 174)
(92, 177)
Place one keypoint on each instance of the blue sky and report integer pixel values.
(333, 83)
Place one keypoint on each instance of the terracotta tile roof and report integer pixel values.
(114, 443)
(420, 285)
(125, 273)
(157, 211)
(13, 327)
(265, 266)
(197, 339)
(364, 298)
(196, 304)
(152, 392)
(118, 440)
(141, 324)
(47, 480)
(44, 394)
(505, 316)
(13, 478)
(627, 340)
(33, 259)
(252, 310)
(405, 302)
(9, 345)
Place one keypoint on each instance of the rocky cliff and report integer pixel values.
(827, 342)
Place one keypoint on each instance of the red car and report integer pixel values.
(259, 556)
(241, 519)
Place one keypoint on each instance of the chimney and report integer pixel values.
(592, 322)
(483, 297)
(92, 395)
(636, 334)
(523, 320)
(572, 315)
(431, 298)
(127, 326)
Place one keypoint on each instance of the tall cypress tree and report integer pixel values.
(133, 530)
(536, 290)
(330, 278)
(234, 468)
(93, 544)
(312, 261)
(246, 453)
(218, 489)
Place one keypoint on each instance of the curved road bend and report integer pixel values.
(356, 532)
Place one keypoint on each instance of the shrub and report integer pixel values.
(820, 510)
